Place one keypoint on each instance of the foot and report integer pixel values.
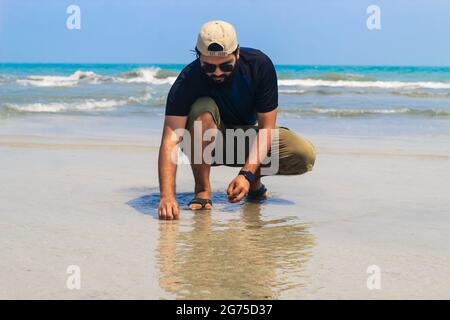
(257, 191)
(255, 185)
(201, 195)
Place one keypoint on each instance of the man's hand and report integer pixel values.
(168, 208)
(238, 189)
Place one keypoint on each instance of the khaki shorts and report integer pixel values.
(296, 155)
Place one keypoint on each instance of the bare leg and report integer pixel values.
(201, 170)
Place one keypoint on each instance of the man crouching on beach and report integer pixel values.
(226, 95)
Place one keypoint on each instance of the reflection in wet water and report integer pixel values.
(245, 254)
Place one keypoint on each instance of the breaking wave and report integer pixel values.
(143, 75)
(60, 81)
(84, 105)
(363, 84)
(332, 112)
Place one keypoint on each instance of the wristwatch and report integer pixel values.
(248, 175)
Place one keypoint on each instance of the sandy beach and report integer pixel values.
(86, 88)
(90, 200)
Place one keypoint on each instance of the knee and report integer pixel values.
(205, 110)
(205, 117)
(305, 156)
(301, 156)
(205, 120)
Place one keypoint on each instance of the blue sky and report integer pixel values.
(414, 32)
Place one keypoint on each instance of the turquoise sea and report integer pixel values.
(336, 99)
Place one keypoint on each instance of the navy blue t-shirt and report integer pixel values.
(253, 88)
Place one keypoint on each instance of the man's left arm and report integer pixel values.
(263, 141)
(240, 186)
(266, 103)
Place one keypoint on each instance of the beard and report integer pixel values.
(223, 80)
(220, 79)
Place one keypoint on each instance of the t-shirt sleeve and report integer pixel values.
(266, 98)
(181, 96)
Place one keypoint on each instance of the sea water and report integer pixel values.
(349, 100)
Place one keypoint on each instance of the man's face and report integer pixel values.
(219, 76)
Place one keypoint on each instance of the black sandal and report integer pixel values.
(258, 194)
(202, 202)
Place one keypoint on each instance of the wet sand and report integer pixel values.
(91, 201)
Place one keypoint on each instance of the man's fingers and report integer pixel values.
(233, 189)
(162, 213)
(230, 188)
(237, 191)
(238, 197)
(233, 193)
(241, 195)
(176, 211)
(232, 198)
(169, 211)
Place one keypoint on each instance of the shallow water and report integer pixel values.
(235, 251)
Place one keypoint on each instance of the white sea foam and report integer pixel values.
(292, 91)
(142, 75)
(360, 111)
(141, 100)
(366, 112)
(86, 105)
(145, 75)
(364, 84)
(60, 81)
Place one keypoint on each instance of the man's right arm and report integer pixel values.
(167, 168)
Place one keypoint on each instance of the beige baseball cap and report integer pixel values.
(217, 38)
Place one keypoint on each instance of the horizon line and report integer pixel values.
(281, 64)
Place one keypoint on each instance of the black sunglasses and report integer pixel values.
(210, 68)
